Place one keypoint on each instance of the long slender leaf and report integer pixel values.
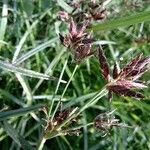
(34, 51)
(24, 37)
(65, 6)
(12, 68)
(19, 112)
(26, 88)
(123, 21)
(12, 97)
(3, 23)
(16, 137)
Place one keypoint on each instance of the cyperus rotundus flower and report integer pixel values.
(104, 122)
(124, 82)
(78, 41)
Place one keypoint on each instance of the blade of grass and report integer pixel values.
(19, 112)
(26, 88)
(103, 42)
(3, 42)
(49, 97)
(3, 23)
(123, 21)
(16, 137)
(11, 132)
(12, 68)
(34, 51)
(12, 97)
(24, 37)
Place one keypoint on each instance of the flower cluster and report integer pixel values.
(93, 11)
(78, 40)
(124, 82)
(54, 125)
(105, 121)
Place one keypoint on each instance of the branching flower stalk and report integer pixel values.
(55, 129)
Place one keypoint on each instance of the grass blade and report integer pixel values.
(19, 112)
(123, 21)
(3, 23)
(11, 132)
(34, 51)
(65, 6)
(26, 34)
(16, 137)
(26, 88)
(12, 97)
(12, 68)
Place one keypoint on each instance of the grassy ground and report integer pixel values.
(36, 70)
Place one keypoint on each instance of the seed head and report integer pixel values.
(124, 82)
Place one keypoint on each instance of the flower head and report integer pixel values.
(56, 124)
(78, 40)
(105, 121)
(124, 82)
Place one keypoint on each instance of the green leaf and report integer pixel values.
(3, 21)
(123, 21)
(12, 68)
(12, 97)
(16, 137)
(19, 112)
(35, 50)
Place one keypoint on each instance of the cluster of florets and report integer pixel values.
(78, 40)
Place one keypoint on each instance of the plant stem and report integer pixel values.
(41, 145)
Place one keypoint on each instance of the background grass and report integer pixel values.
(29, 46)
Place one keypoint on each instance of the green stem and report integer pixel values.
(41, 145)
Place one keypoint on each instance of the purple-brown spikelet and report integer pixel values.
(53, 124)
(103, 64)
(78, 41)
(125, 82)
(115, 71)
